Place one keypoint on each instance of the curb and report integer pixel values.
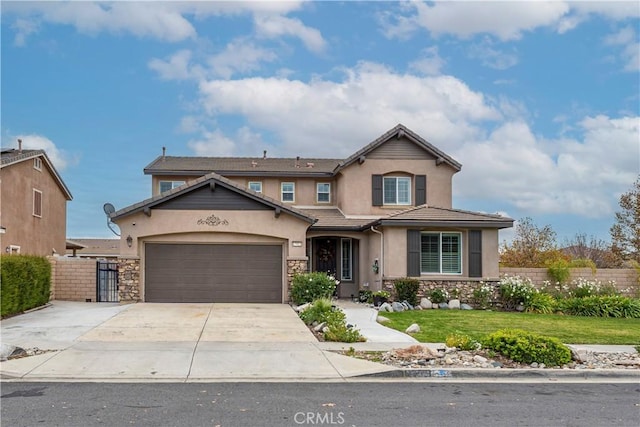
(508, 374)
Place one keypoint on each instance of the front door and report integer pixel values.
(325, 255)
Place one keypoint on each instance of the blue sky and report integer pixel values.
(539, 101)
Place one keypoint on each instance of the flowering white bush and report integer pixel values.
(581, 288)
(516, 290)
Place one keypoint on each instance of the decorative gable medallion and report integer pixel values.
(212, 221)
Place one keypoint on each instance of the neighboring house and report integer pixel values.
(33, 203)
(238, 229)
(94, 248)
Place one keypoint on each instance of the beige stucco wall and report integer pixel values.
(34, 235)
(354, 184)
(305, 188)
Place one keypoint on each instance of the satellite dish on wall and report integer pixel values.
(108, 210)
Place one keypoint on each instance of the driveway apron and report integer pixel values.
(189, 342)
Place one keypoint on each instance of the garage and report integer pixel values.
(213, 273)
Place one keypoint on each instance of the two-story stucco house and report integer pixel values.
(33, 204)
(238, 229)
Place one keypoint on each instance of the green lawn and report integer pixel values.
(435, 325)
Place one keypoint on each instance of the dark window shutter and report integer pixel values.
(376, 190)
(413, 253)
(421, 189)
(475, 253)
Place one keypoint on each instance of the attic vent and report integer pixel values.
(400, 133)
(310, 164)
(254, 164)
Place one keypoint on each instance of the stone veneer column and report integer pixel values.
(129, 279)
(294, 266)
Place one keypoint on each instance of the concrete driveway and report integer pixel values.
(171, 342)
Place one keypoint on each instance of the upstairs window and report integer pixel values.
(256, 186)
(323, 192)
(441, 253)
(288, 191)
(397, 190)
(37, 163)
(169, 185)
(37, 203)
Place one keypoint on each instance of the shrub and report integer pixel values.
(526, 347)
(541, 303)
(25, 283)
(318, 311)
(311, 286)
(407, 290)
(439, 295)
(514, 291)
(583, 263)
(581, 288)
(558, 270)
(337, 329)
(482, 295)
(601, 306)
(461, 342)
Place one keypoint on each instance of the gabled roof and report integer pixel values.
(95, 247)
(435, 217)
(211, 178)
(12, 156)
(243, 166)
(266, 166)
(400, 131)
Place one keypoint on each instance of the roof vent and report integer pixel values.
(164, 153)
(310, 164)
(264, 154)
(19, 146)
(254, 163)
(298, 161)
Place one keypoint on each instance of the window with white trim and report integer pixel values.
(37, 163)
(323, 192)
(255, 186)
(441, 253)
(288, 192)
(347, 259)
(37, 203)
(396, 190)
(169, 185)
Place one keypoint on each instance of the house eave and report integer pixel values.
(445, 223)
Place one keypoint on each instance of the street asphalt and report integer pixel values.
(216, 342)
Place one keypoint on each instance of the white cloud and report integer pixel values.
(23, 28)
(177, 67)
(212, 143)
(514, 165)
(369, 100)
(430, 62)
(505, 20)
(491, 57)
(60, 159)
(627, 39)
(239, 56)
(275, 26)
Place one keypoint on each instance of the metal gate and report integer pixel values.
(107, 282)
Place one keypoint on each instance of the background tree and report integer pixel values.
(580, 247)
(531, 246)
(625, 232)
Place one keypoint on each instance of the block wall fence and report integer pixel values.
(73, 279)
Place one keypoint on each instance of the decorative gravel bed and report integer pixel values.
(418, 356)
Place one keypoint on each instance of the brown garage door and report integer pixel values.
(213, 273)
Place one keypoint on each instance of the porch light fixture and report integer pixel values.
(296, 244)
(129, 240)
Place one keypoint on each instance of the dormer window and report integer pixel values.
(397, 190)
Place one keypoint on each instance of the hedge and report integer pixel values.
(25, 283)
